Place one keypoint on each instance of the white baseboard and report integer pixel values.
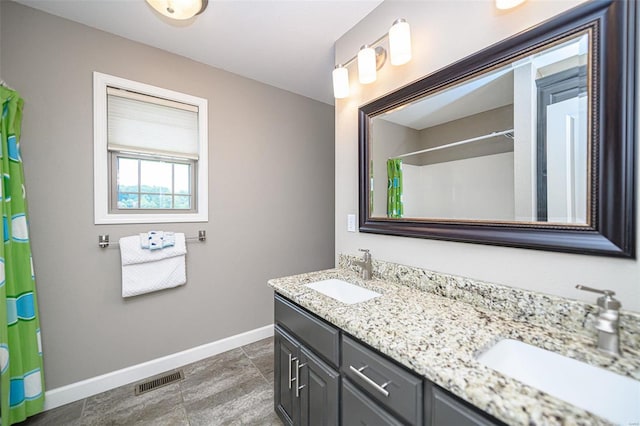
(85, 388)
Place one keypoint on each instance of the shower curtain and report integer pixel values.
(394, 188)
(21, 377)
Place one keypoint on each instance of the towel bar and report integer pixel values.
(103, 239)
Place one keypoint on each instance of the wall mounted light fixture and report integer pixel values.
(370, 60)
(508, 4)
(340, 82)
(400, 42)
(367, 64)
(179, 9)
(372, 57)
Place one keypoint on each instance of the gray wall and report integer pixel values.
(271, 199)
(436, 28)
(483, 123)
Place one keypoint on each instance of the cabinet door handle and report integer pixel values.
(379, 388)
(291, 380)
(297, 379)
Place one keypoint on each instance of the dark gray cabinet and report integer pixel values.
(306, 389)
(286, 351)
(391, 386)
(359, 409)
(319, 396)
(447, 410)
(315, 333)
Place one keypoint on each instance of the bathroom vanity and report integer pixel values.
(320, 368)
(409, 356)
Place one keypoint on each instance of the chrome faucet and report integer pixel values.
(607, 323)
(365, 264)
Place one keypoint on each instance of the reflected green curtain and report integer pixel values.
(21, 376)
(394, 188)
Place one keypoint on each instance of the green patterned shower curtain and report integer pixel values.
(22, 380)
(394, 188)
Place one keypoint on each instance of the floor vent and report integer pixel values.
(158, 382)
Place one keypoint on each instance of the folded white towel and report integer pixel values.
(143, 278)
(144, 271)
(131, 252)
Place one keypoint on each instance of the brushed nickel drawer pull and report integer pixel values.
(379, 388)
(297, 379)
(290, 361)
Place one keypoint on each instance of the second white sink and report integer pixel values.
(343, 291)
(609, 395)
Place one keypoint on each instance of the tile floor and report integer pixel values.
(232, 388)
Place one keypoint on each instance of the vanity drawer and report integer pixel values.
(387, 383)
(446, 410)
(358, 409)
(323, 338)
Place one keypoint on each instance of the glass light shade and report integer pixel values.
(177, 9)
(400, 42)
(340, 82)
(508, 4)
(367, 64)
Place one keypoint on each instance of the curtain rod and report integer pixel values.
(507, 133)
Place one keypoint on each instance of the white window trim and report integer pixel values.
(102, 216)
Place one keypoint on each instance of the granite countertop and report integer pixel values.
(438, 337)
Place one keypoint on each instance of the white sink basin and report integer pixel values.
(343, 291)
(609, 395)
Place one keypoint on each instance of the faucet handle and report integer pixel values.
(364, 250)
(595, 290)
(607, 301)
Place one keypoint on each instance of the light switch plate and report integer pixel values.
(351, 223)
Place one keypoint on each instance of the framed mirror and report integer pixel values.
(527, 143)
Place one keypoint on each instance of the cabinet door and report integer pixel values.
(318, 391)
(285, 401)
(358, 409)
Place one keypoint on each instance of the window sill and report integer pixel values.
(109, 219)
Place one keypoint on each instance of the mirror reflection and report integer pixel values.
(509, 145)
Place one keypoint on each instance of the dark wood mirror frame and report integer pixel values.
(612, 129)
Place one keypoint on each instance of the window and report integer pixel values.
(150, 153)
(145, 184)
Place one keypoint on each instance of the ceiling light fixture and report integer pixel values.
(372, 57)
(508, 4)
(179, 9)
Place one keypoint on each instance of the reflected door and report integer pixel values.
(567, 161)
(562, 147)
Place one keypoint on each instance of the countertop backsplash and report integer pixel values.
(527, 306)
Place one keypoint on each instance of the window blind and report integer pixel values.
(149, 125)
